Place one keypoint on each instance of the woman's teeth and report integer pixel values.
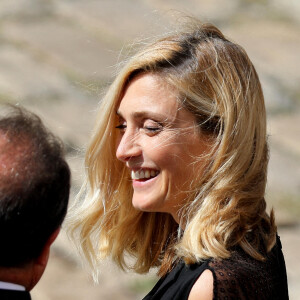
(143, 174)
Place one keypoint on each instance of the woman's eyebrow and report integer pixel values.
(149, 114)
(145, 114)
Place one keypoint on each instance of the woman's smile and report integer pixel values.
(143, 175)
(144, 178)
(143, 183)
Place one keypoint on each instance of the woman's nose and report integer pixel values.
(128, 148)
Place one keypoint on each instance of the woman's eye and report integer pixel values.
(121, 127)
(152, 127)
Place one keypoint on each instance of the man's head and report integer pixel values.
(34, 187)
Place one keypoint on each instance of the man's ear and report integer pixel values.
(53, 237)
(38, 265)
(43, 258)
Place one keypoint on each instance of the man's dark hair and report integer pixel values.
(34, 186)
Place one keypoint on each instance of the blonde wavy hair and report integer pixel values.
(217, 82)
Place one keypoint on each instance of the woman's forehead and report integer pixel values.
(149, 93)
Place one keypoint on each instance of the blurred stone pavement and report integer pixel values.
(58, 56)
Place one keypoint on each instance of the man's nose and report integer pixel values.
(128, 147)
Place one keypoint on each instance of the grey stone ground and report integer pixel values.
(56, 57)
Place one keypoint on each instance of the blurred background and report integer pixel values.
(58, 56)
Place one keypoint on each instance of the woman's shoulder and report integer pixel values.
(231, 278)
(243, 277)
(238, 277)
(203, 287)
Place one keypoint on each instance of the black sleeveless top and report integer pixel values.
(239, 277)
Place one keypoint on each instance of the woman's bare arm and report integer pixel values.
(203, 287)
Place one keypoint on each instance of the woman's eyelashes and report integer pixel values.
(152, 129)
(152, 126)
(121, 127)
(148, 126)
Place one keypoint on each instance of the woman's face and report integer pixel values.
(159, 142)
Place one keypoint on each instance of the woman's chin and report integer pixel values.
(146, 205)
(143, 207)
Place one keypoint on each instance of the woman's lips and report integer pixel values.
(143, 183)
(143, 178)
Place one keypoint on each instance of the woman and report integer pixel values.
(176, 173)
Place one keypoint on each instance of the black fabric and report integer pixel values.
(14, 295)
(239, 277)
(177, 284)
